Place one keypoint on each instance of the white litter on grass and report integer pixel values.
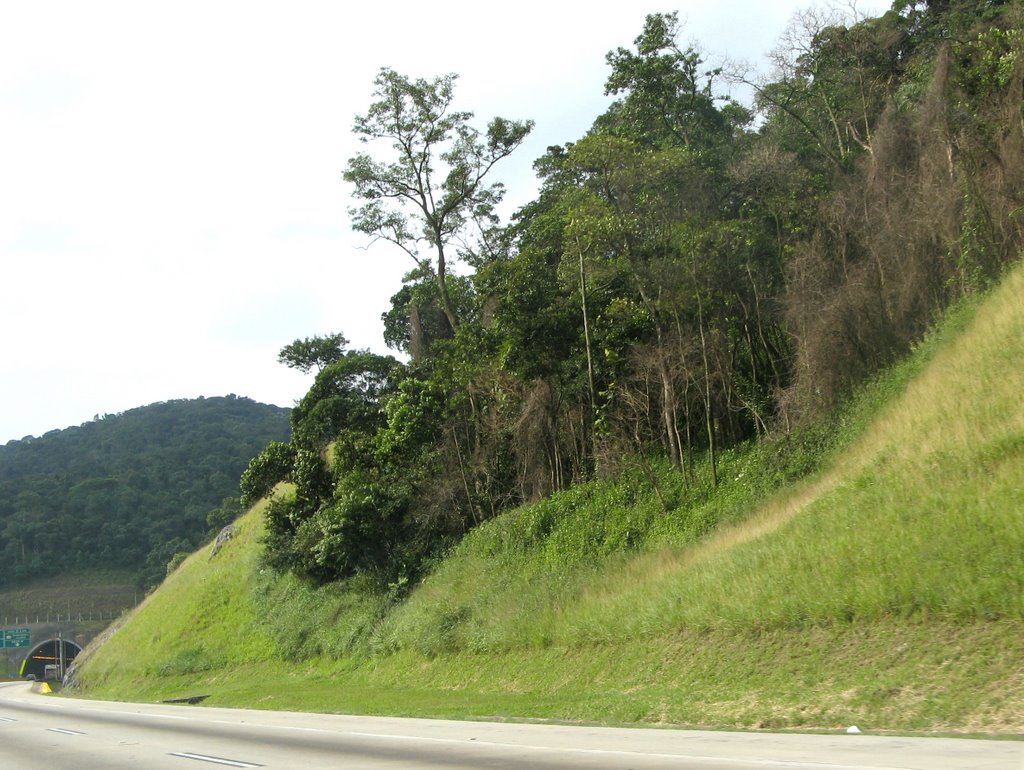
(853, 730)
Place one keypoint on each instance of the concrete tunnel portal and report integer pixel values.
(49, 660)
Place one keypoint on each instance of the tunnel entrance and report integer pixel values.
(49, 659)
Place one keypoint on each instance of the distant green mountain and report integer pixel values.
(126, 491)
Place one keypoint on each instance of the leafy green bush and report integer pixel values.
(272, 465)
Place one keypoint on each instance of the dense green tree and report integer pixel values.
(264, 471)
(345, 398)
(305, 354)
(416, 319)
(666, 94)
(343, 495)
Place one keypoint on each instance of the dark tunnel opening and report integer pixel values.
(49, 660)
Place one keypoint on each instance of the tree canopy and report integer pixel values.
(305, 354)
(127, 490)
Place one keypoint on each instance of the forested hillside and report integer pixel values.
(128, 491)
(695, 273)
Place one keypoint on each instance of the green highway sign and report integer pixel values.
(16, 637)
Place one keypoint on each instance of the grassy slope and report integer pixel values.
(886, 590)
(200, 621)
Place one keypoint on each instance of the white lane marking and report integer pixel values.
(141, 714)
(300, 729)
(213, 760)
(62, 731)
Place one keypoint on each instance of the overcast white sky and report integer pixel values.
(171, 204)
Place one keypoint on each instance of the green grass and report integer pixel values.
(890, 676)
(199, 621)
(868, 572)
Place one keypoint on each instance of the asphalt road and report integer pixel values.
(57, 733)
